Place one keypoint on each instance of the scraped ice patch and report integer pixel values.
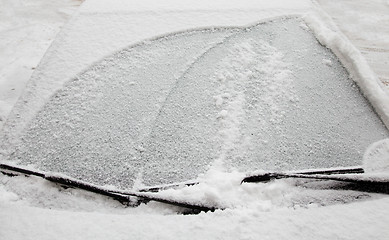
(376, 157)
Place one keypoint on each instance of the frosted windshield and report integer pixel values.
(267, 96)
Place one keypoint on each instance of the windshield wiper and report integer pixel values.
(133, 198)
(265, 177)
(352, 175)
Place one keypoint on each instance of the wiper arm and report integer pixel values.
(265, 177)
(125, 197)
(352, 175)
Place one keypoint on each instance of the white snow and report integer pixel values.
(376, 157)
(102, 129)
(31, 208)
(330, 35)
(359, 220)
(27, 28)
(217, 6)
(365, 24)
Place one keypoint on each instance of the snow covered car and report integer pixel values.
(197, 110)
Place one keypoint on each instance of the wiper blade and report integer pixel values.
(351, 175)
(125, 197)
(264, 177)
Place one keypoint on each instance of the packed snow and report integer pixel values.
(72, 74)
(376, 157)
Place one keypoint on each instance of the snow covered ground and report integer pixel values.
(31, 208)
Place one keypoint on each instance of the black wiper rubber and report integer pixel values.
(265, 177)
(20, 170)
(352, 176)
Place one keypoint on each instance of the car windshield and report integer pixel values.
(268, 96)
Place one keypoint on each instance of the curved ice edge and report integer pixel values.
(187, 31)
(18, 119)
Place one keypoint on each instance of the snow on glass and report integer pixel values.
(261, 97)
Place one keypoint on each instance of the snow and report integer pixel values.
(27, 28)
(330, 35)
(347, 221)
(31, 208)
(278, 113)
(188, 5)
(367, 29)
(376, 157)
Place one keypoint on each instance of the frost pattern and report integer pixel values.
(163, 111)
